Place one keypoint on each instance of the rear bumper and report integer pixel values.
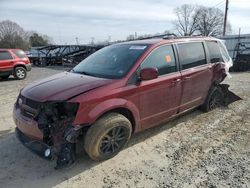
(35, 146)
(28, 67)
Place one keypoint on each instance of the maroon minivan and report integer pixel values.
(118, 91)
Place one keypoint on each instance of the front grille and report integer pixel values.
(32, 104)
(27, 113)
(27, 106)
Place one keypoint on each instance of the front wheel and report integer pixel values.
(107, 137)
(20, 73)
(214, 99)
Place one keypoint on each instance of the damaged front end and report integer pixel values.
(55, 120)
(49, 130)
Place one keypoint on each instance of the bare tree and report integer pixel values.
(186, 19)
(209, 21)
(12, 35)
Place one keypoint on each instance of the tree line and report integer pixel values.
(195, 20)
(13, 35)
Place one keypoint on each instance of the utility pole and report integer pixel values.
(77, 42)
(225, 18)
(92, 40)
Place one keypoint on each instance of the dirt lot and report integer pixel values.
(196, 150)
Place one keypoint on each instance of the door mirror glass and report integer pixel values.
(149, 74)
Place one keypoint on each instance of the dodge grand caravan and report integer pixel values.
(118, 91)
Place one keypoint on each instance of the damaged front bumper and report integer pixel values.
(47, 129)
(39, 148)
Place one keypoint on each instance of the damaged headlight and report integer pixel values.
(70, 108)
(60, 110)
(52, 112)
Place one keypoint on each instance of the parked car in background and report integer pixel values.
(14, 62)
(120, 90)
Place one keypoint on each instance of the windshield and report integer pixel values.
(111, 62)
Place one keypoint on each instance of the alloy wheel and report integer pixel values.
(113, 140)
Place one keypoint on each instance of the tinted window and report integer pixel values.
(19, 53)
(163, 59)
(5, 55)
(111, 62)
(191, 54)
(214, 51)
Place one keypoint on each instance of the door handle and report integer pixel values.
(174, 82)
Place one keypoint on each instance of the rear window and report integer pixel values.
(191, 54)
(214, 51)
(19, 53)
(4, 55)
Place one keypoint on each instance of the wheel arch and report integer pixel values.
(121, 106)
(125, 112)
(20, 65)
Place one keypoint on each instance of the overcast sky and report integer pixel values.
(65, 20)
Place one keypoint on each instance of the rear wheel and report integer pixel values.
(20, 73)
(213, 100)
(108, 136)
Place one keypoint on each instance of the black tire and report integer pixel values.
(107, 137)
(214, 99)
(20, 73)
(5, 76)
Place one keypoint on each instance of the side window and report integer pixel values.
(191, 54)
(214, 51)
(4, 55)
(163, 59)
(19, 53)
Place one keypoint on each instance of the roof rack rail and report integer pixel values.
(167, 36)
(159, 36)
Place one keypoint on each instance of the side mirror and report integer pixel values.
(149, 74)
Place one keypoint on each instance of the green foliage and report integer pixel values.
(38, 40)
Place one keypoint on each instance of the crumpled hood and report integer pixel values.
(62, 86)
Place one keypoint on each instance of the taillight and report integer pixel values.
(26, 59)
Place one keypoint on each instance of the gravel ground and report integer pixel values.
(196, 150)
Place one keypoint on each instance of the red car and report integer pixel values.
(120, 90)
(14, 62)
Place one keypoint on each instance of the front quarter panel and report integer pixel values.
(89, 114)
(91, 109)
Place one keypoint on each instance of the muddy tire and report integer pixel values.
(214, 99)
(20, 73)
(107, 137)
